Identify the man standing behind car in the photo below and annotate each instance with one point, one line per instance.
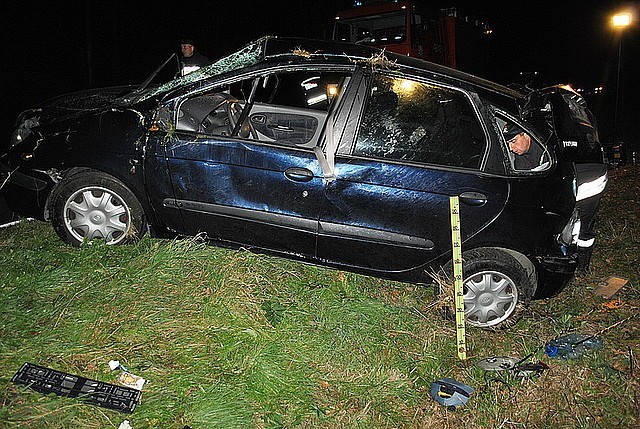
(190, 59)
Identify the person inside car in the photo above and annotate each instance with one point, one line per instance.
(529, 155)
(191, 60)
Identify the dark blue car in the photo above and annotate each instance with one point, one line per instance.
(335, 154)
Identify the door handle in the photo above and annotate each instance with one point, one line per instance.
(298, 174)
(280, 128)
(473, 198)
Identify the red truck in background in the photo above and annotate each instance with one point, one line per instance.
(413, 28)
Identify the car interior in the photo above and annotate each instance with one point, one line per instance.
(216, 114)
(287, 108)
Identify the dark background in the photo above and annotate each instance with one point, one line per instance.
(53, 47)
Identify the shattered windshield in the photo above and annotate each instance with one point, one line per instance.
(249, 55)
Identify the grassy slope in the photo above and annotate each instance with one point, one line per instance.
(229, 339)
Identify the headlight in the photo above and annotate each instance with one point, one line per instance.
(27, 120)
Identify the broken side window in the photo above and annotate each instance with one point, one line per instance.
(287, 108)
(291, 108)
(419, 122)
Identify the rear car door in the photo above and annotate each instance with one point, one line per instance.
(417, 145)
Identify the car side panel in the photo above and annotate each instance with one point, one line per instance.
(387, 217)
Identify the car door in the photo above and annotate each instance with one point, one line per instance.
(256, 184)
(417, 145)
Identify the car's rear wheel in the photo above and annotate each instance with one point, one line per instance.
(497, 288)
(94, 205)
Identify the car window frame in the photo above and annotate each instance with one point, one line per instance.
(222, 86)
(347, 149)
(504, 146)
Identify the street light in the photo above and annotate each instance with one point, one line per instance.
(619, 21)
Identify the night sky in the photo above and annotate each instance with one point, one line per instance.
(53, 47)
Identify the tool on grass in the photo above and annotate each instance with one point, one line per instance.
(450, 393)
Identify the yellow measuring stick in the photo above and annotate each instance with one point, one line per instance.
(456, 244)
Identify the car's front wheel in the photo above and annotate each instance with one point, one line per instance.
(94, 205)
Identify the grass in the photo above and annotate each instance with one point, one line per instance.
(231, 339)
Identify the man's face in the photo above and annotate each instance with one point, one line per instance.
(520, 144)
(187, 50)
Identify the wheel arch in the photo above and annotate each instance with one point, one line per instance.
(521, 258)
(524, 261)
(64, 175)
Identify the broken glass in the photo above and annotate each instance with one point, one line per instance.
(249, 55)
(414, 121)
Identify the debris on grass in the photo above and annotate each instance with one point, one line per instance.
(529, 370)
(125, 378)
(47, 380)
(328, 363)
(443, 291)
(613, 304)
(125, 425)
(497, 363)
(513, 366)
(133, 381)
(16, 222)
(610, 286)
(572, 346)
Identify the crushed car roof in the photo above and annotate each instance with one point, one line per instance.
(298, 50)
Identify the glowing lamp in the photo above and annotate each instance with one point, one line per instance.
(621, 20)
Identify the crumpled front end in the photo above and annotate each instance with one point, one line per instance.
(25, 193)
(74, 130)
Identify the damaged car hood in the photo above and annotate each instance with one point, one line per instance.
(73, 105)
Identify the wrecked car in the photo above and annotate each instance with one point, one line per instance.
(335, 154)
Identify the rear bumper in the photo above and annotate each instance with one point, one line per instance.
(554, 273)
(560, 265)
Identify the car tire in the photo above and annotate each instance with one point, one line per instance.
(497, 288)
(94, 205)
